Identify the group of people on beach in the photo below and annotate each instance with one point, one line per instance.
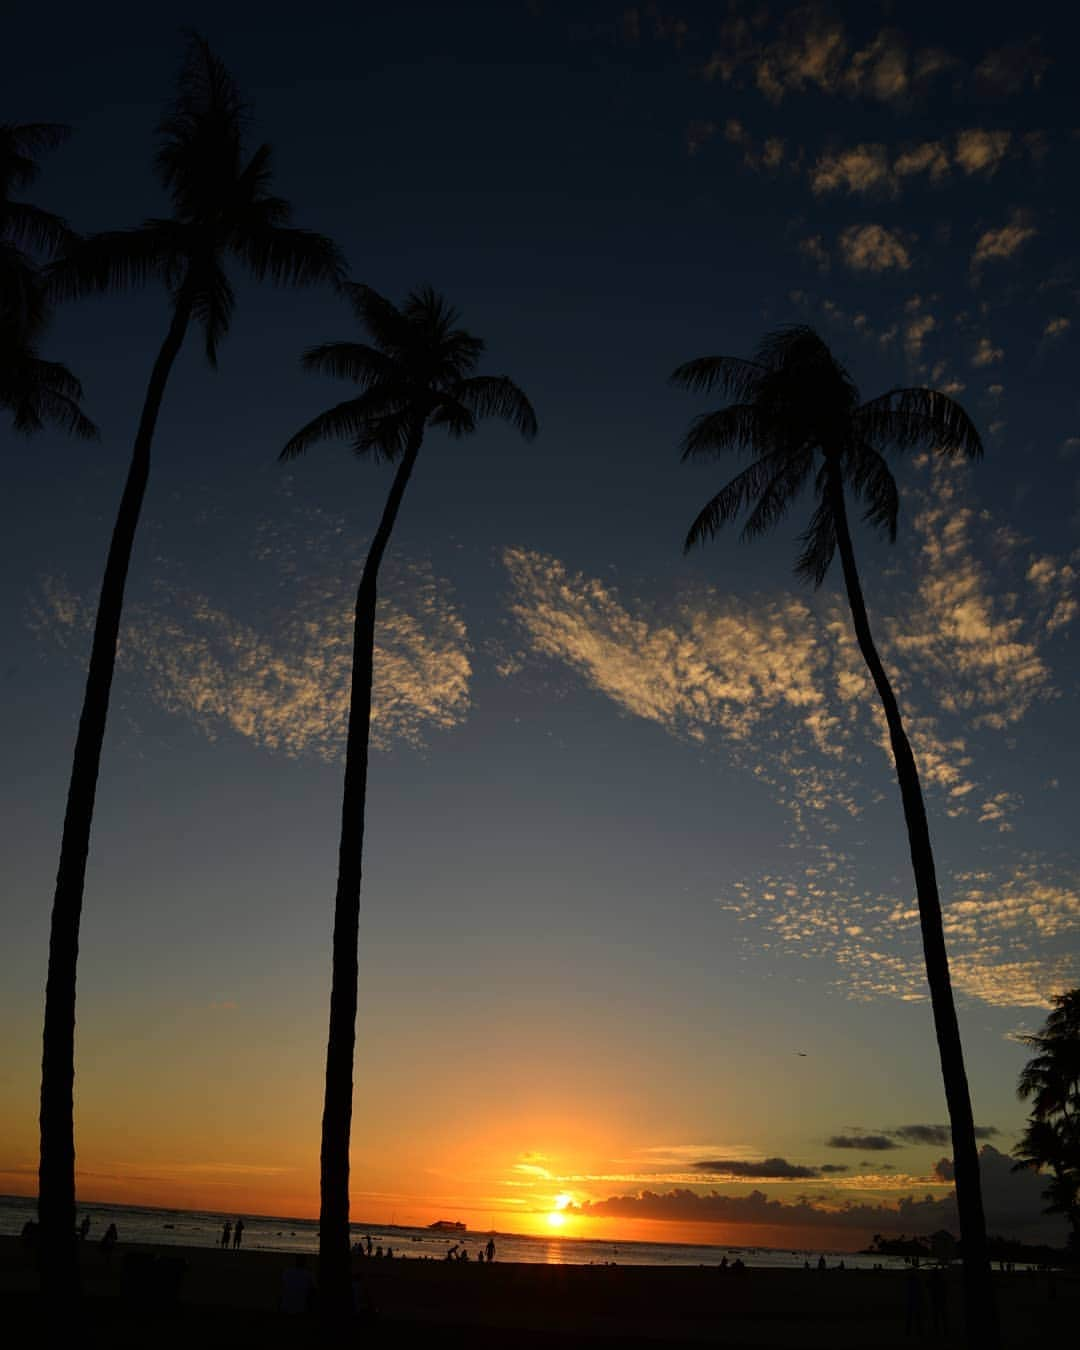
(236, 1231)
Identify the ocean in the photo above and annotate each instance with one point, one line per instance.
(195, 1228)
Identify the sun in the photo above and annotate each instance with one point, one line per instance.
(557, 1219)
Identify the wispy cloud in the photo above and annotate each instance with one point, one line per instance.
(873, 248)
(996, 245)
(282, 680)
(778, 684)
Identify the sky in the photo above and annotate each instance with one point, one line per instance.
(639, 955)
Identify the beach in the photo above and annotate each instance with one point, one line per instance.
(231, 1298)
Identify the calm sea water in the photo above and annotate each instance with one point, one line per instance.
(190, 1228)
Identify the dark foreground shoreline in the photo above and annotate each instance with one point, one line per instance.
(230, 1299)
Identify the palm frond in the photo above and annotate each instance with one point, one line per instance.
(22, 223)
(118, 259)
(819, 545)
(289, 257)
(203, 125)
(730, 502)
(739, 426)
(904, 419)
(212, 305)
(497, 396)
(341, 422)
(20, 145)
(38, 392)
(736, 377)
(874, 485)
(454, 418)
(779, 494)
(357, 361)
(386, 324)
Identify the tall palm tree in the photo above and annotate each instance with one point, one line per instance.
(222, 208)
(33, 390)
(797, 411)
(415, 373)
(1051, 1082)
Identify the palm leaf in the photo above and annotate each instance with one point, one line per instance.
(737, 378)
(341, 422)
(20, 145)
(388, 327)
(212, 305)
(776, 498)
(289, 257)
(118, 259)
(819, 545)
(357, 361)
(873, 483)
(739, 426)
(907, 418)
(32, 227)
(497, 396)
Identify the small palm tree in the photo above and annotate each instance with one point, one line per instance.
(797, 411)
(222, 208)
(1051, 1082)
(33, 390)
(416, 373)
(25, 229)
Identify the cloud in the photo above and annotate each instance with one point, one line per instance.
(873, 248)
(996, 245)
(1008, 69)
(1057, 326)
(282, 682)
(931, 158)
(778, 1169)
(1013, 1203)
(776, 682)
(809, 53)
(916, 330)
(865, 1143)
(698, 133)
(861, 168)
(833, 1169)
(814, 249)
(939, 1135)
(880, 70)
(986, 354)
(981, 151)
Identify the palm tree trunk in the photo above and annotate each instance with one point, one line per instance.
(56, 1174)
(335, 1284)
(980, 1304)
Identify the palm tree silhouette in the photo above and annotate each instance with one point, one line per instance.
(416, 373)
(222, 207)
(1051, 1082)
(798, 412)
(33, 390)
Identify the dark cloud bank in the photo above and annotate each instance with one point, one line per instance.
(1013, 1203)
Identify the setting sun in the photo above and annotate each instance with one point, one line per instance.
(556, 1219)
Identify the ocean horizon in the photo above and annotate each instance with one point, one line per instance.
(267, 1232)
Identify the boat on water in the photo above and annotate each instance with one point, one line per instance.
(446, 1226)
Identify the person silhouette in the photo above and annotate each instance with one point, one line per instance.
(238, 1233)
(490, 1249)
(109, 1240)
(84, 1227)
(226, 1233)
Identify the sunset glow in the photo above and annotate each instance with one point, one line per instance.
(640, 953)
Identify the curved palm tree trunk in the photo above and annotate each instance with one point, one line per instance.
(980, 1304)
(56, 1173)
(335, 1284)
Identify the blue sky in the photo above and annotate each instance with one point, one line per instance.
(633, 838)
